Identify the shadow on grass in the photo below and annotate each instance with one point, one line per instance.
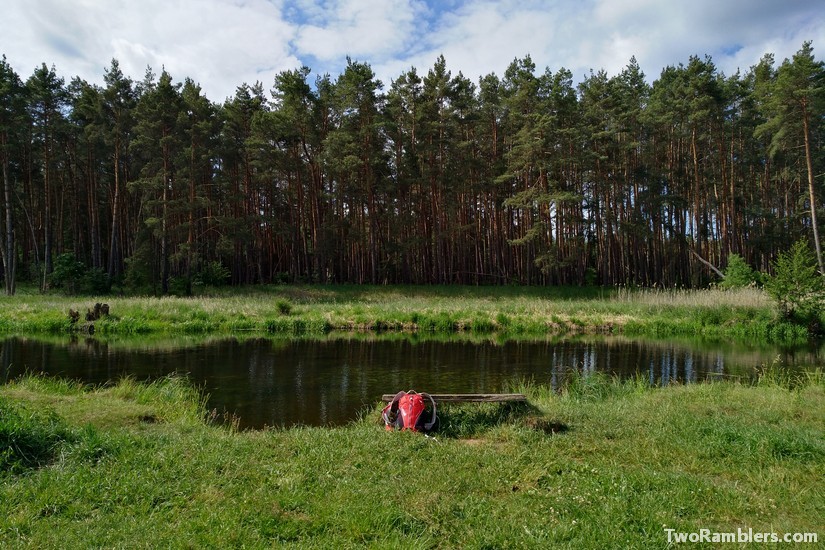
(31, 438)
(467, 420)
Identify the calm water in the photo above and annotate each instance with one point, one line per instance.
(326, 382)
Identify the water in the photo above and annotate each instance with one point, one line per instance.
(282, 382)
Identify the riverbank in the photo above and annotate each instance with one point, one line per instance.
(604, 464)
(745, 314)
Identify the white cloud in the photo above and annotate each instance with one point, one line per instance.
(483, 37)
(366, 29)
(735, 33)
(219, 43)
(223, 43)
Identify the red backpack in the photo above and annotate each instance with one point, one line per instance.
(408, 411)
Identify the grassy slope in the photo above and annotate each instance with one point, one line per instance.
(745, 313)
(606, 464)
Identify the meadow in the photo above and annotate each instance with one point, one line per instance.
(746, 314)
(603, 464)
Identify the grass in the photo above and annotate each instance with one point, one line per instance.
(604, 464)
(744, 314)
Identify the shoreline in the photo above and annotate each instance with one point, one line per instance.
(744, 314)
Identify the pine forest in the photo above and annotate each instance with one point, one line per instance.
(433, 178)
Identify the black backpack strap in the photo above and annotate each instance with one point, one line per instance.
(428, 426)
(390, 412)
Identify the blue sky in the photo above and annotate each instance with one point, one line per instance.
(223, 43)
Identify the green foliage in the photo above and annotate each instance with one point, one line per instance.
(284, 307)
(140, 275)
(429, 179)
(482, 325)
(73, 277)
(95, 282)
(742, 314)
(503, 320)
(180, 286)
(738, 274)
(591, 277)
(796, 285)
(598, 386)
(213, 274)
(440, 322)
(67, 273)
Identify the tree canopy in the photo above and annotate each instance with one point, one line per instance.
(521, 178)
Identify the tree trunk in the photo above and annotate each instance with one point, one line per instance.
(8, 255)
(47, 221)
(115, 216)
(164, 238)
(809, 163)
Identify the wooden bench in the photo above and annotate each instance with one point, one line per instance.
(469, 397)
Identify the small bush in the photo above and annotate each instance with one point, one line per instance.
(738, 274)
(95, 281)
(180, 286)
(445, 323)
(67, 273)
(796, 285)
(198, 326)
(590, 387)
(126, 325)
(213, 274)
(284, 307)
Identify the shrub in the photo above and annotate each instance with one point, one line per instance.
(71, 275)
(180, 286)
(284, 307)
(213, 274)
(796, 285)
(95, 281)
(738, 274)
(591, 277)
(67, 273)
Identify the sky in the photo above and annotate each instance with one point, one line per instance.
(222, 44)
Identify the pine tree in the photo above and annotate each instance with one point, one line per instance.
(794, 104)
(158, 139)
(118, 102)
(12, 120)
(47, 98)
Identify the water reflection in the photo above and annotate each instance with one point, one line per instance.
(274, 382)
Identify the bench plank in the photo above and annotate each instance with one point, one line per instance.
(469, 397)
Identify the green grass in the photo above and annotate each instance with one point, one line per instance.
(604, 464)
(744, 314)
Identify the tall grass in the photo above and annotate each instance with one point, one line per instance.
(739, 313)
(748, 297)
(34, 435)
(28, 438)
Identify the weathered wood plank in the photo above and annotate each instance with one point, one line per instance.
(469, 397)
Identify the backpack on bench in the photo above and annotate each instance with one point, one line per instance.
(409, 411)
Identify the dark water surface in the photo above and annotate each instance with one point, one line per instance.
(282, 382)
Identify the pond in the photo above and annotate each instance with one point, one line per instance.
(330, 381)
